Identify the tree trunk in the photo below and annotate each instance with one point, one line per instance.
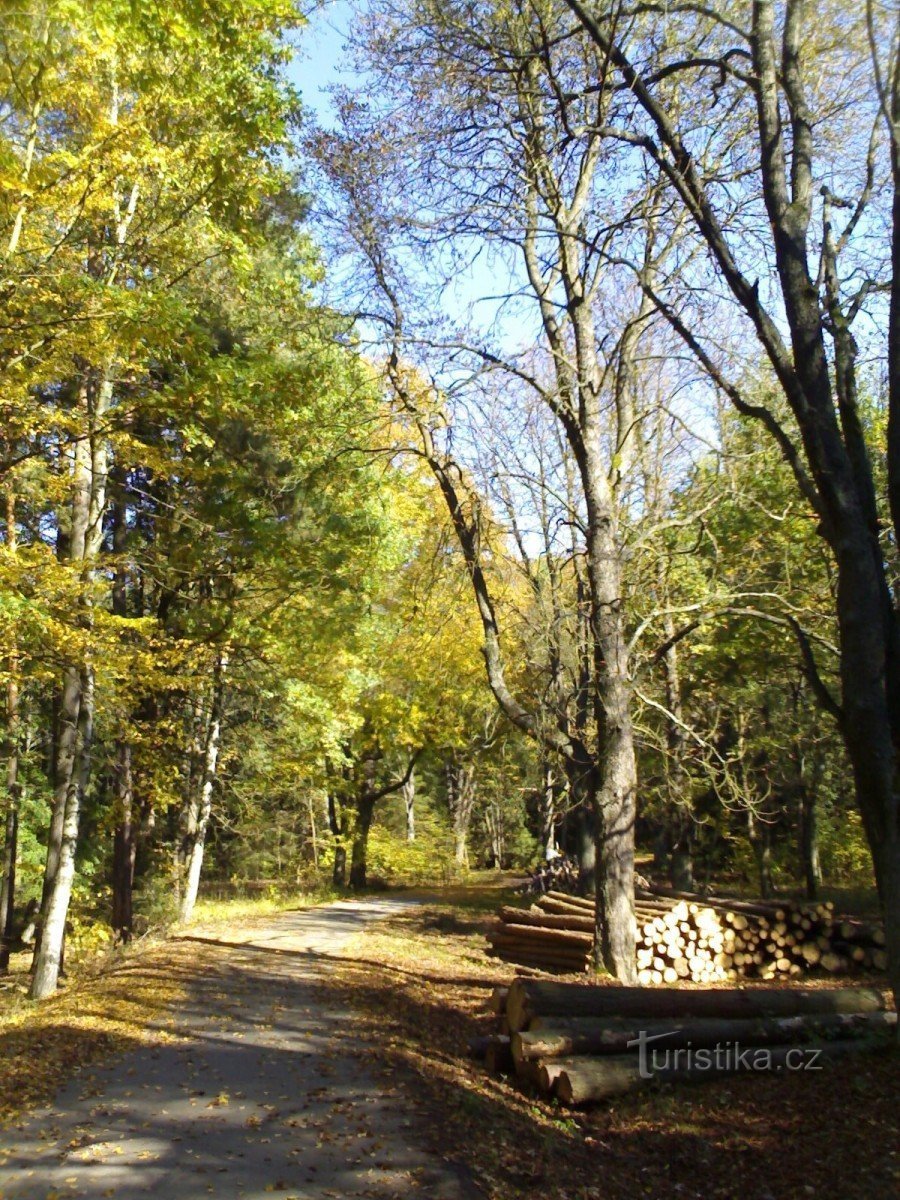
(588, 1080)
(761, 843)
(125, 835)
(65, 752)
(583, 823)
(337, 823)
(49, 953)
(13, 787)
(616, 786)
(529, 998)
(809, 843)
(124, 848)
(89, 495)
(679, 817)
(547, 809)
(408, 792)
(8, 888)
(365, 810)
(200, 807)
(461, 801)
(559, 1038)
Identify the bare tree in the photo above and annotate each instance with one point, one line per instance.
(520, 167)
(783, 198)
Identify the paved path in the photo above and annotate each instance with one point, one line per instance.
(264, 1099)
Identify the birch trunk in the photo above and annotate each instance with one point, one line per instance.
(200, 808)
(89, 491)
(13, 787)
(408, 792)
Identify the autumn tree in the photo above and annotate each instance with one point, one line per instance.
(785, 229)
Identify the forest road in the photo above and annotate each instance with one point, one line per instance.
(263, 1096)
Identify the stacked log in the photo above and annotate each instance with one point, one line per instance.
(766, 939)
(705, 940)
(558, 874)
(581, 1044)
(550, 935)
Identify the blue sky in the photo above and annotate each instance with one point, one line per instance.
(321, 56)
(321, 62)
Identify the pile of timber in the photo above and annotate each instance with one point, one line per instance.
(729, 939)
(688, 937)
(582, 1044)
(555, 934)
(559, 874)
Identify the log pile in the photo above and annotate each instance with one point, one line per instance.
(555, 934)
(758, 939)
(582, 1044)
(559, 874)
(697, 939)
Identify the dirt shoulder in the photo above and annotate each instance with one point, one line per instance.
(420, 982)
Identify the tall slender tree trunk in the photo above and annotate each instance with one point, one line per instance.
(89, 492)
(547, 808)
(616, 767)
(808, 825)
(408, 791)
(200, 804)
(761, 844)
(493, 819)
(582, 818)
(461, 801)
(125, 834)
(124, 847)
(679, 817)
(13, 787)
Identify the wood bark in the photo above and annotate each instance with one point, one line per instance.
(337, 823)
(366, 796)
(11, 749)
(124, 846)
(601, 1036)
(577, 1081)
(76, 711)
(125, 831)
(199, 808)
(528, 999)
(460, 777)
(408, 792)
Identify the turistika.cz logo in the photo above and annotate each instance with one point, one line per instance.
(723, 1058)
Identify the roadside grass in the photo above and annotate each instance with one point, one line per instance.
(420, 982)
(217, 913)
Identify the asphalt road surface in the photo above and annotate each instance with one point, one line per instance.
(263, 1096)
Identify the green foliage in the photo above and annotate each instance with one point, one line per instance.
(846, 858)
(428, 859)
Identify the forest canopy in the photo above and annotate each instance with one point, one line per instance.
(504, 468)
